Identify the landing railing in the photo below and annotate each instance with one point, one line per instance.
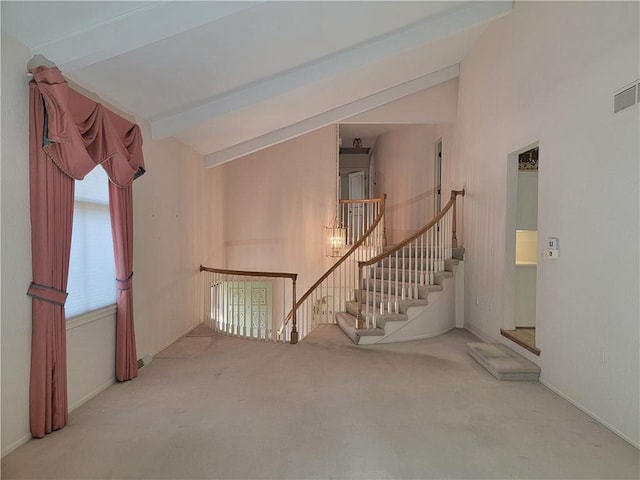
(395, 275)
(357, 216)
(338, 285)
(248, 304)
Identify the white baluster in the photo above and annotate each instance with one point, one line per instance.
(365, 299)
(375, 289)
(415, 282)
(409, 275)
(403, 279)
(441, 245)
(431, 254)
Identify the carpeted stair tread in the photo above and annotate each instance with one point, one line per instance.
(403, 305)
(385, 287)
(385, 290)
(348, 324)
(407, 263)
(502, 362)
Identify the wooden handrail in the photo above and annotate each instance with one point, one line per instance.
(404, 243)
(339, 262)
(364, 200)
(380, 200)
(292, 276)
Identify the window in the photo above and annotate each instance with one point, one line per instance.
(91, 268)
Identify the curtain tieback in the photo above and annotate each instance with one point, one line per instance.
(47, 294)
(124, 284)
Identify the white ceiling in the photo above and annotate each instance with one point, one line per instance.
(229, 78)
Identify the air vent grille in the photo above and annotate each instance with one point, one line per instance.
(626, 98)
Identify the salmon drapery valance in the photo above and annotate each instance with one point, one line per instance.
(80, 133)
(69, 135)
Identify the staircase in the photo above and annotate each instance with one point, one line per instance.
(391, 294)
(417, 311)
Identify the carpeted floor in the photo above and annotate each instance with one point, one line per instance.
(325, 408)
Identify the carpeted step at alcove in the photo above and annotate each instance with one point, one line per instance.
(502, 362)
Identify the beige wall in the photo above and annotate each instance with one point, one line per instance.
(168, 243)
(213, 248)
(167, 252)
(267, 210)
(405, 172)
(276, 204)
(520, 85)
(15, 306)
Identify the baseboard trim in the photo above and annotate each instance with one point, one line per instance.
(486, 338)
(21, 441)
(18, 443)
(480, 334)
(91, 394)
(171, 342)
(588, 412)
(417, 337)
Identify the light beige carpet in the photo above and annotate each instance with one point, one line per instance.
(201, 331)
(325, 409)
(186, 347)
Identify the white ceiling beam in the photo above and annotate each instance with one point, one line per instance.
(428, 30)
(134, 29)
(332, 116)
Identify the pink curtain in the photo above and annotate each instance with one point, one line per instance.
(121, 206)
(51, 219)
(69, 135)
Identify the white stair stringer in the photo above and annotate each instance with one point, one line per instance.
(434, 318)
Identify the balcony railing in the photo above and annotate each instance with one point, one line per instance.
(357, 216)
(248, 304)
(401, 272)
(338, 285)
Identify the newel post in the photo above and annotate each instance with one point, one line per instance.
(384, 220)
(294, 327)
(454, 195)
(360, 320)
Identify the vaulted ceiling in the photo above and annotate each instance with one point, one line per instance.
(230, 78)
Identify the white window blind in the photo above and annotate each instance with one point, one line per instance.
(91, 268)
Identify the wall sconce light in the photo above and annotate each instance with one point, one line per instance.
(336, 239)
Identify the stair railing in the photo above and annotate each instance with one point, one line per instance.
(423, 255)
(358, 215)
(243, 304)
(337, 286)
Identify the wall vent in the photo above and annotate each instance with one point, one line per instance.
(626, 97)
(144, 361)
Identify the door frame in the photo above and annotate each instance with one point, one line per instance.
(509, 299)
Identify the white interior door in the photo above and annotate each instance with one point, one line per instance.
(356, 186)
(355, 221)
